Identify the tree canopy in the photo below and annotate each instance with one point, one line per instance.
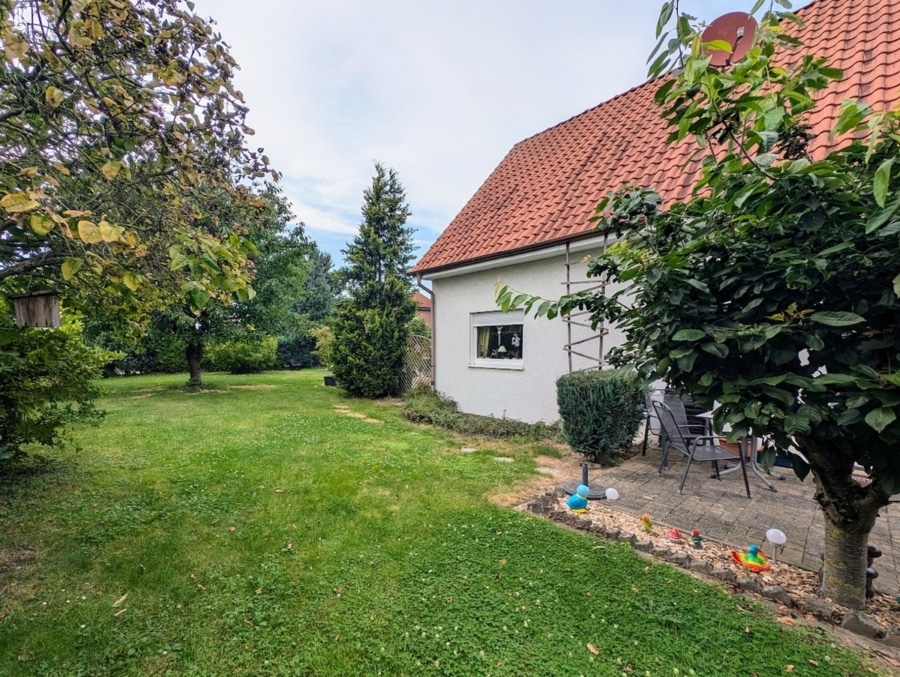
(772, 292)
(124, 150)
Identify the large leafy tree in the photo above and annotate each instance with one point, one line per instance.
(773, 291)
(123, 141)
(279, 262)
(371, 326)
(320, 288)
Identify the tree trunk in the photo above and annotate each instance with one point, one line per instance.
(194, 354)
(844, 573)
(850, 510)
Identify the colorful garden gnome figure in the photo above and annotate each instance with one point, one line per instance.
(753, 559)
(646, 523)
(578, 501)
(675, 536)
(697, 539)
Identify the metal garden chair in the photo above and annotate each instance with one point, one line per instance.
(683, 438)
(690, 426)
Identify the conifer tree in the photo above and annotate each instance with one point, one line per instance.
(371, 324)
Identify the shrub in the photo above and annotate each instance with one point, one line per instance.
(47, 383)
(418, 327)
(422, 405)
(298, 351)
(601, 411)
(369, 348)
(249, 356)
(324, 338)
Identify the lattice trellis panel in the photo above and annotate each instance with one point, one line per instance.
(417, 369)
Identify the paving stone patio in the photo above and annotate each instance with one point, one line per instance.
(721, 510)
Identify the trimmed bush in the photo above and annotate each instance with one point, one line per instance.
(601, 412)
(243, 357)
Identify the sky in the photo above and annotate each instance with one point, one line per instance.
(440, 92)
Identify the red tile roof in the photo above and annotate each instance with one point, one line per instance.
(547, 187)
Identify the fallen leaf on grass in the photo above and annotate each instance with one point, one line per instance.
(278, 490)
(788, 668)
(246, 622)
(813, 663)
(503, 561)
(594, 650)
(120, 600)
(259, 591)
(785, 620)
(120, 612)
(231, 528)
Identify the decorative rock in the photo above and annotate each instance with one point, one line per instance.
(700, 566)
(613, 533)
(861, 625)
(779, 594)
(643, 545)
(679, 559)
(548, 471)
(818, 607)
(660, 551)
(893, 637)
(724, 574)
(749, 584)
(626, 537)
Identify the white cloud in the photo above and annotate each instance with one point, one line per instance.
(438, 91)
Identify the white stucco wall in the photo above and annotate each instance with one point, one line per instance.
(527, 393)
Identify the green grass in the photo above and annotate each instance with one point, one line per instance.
(258, 530)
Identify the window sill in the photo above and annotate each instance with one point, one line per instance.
(516, 365)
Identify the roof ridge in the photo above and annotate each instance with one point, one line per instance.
(546, 188)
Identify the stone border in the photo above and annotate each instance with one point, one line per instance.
(822, 609)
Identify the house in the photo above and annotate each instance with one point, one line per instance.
(423, 308)
(528, 224)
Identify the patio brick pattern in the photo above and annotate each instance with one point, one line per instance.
(723, 513)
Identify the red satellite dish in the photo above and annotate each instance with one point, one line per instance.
(737, 29)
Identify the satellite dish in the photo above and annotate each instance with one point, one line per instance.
(737, 29)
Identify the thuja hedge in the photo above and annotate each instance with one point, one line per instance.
(601, 412)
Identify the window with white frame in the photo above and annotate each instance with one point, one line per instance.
(497, 339)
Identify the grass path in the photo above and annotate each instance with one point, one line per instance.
(271, 526)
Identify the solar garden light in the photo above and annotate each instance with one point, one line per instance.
(777, 538)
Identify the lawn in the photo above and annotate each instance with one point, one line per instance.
(272, 526)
